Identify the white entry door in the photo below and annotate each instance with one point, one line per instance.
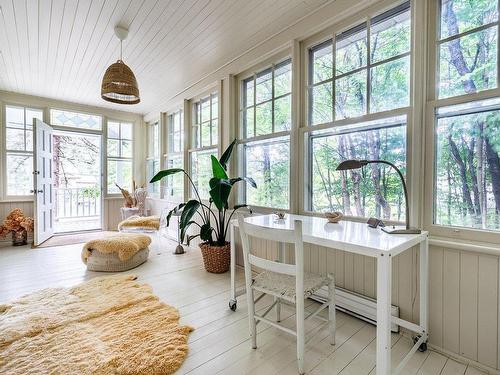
(43, 181)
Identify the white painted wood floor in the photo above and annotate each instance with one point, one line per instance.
(220, 344)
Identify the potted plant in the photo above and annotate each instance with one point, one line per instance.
(214, 220)
(17, 224)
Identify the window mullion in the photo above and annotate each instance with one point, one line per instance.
(272, 99)
(254, 104)
(368, 66)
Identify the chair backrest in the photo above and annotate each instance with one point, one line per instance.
(271, 234)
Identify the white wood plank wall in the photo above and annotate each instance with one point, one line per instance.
(463, 301)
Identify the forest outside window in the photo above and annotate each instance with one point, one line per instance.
(375, 190)
(119, 156)
(363, 70)
(466, 136)
(153, 160)
(467, 47)
(467, 181)
(174, 188)
(19, 149)
(265, 122)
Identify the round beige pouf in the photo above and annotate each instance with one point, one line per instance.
(109, 262)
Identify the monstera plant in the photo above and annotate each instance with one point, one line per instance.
(210, 218)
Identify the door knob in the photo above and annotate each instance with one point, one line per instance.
(39, 191)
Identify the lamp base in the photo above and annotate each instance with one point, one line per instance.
(179, 250)
(394, 229)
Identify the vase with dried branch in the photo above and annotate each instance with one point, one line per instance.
(17, 224)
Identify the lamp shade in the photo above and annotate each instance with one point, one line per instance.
(351, 164)
(119, 85)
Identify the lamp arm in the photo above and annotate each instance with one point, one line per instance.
(403, 183)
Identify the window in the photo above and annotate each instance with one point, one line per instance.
(175, 156)
(206, 120)
(75, 120)
(363, 70)
(467, 47)
(375, 190)
(467, 165)
(466, 185)
(205, 135)
(153, 160)
(119, 156)
(265, 121)
(19, 149)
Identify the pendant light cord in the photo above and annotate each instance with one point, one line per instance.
(121, 50)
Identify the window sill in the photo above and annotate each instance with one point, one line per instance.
(466, 245)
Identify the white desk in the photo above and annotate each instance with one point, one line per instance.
(358, 238)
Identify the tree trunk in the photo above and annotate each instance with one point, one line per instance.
(494, 169)
(374, 151)
(356, 180)
(346, 198)
(463, 175)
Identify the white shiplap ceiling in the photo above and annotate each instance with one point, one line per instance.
(60, 48)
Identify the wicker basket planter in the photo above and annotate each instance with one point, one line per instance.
(216, 259)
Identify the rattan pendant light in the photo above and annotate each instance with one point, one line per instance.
(119, 84)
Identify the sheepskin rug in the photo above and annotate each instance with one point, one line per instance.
(140, 222)
(126, 245)
(108, 325)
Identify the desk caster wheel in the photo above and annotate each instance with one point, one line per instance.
(232, 305)
(423, 346)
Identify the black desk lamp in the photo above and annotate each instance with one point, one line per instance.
(391, 229)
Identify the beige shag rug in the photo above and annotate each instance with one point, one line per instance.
(140, 222)
(126, 245)
(108, 325)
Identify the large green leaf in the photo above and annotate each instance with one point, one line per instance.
(217, 169)
(249, 180)
(219, 192)
(189, 210)
(173, 211)
(165, 173)
(206, 232)
(185, 228)
(224, 159)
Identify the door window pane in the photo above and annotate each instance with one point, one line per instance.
(75, 120)
(119, 172)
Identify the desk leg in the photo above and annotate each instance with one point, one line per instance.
(232, 301)
(424, 285)
(384, 289)
(281, 259)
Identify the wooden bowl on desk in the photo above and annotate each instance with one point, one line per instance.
(334, 217)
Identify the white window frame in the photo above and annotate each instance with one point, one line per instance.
(5, 152)
(194, 127)
(410, 111)
(432, 105)
(151, 156)
(108, 158)
(169, 154)
(243, 141)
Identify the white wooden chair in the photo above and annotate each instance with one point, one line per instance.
(286, 282)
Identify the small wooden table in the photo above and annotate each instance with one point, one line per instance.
(358, 238)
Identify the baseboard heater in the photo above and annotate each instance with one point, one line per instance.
(357, 305)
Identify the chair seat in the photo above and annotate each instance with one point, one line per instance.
(283, 286)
